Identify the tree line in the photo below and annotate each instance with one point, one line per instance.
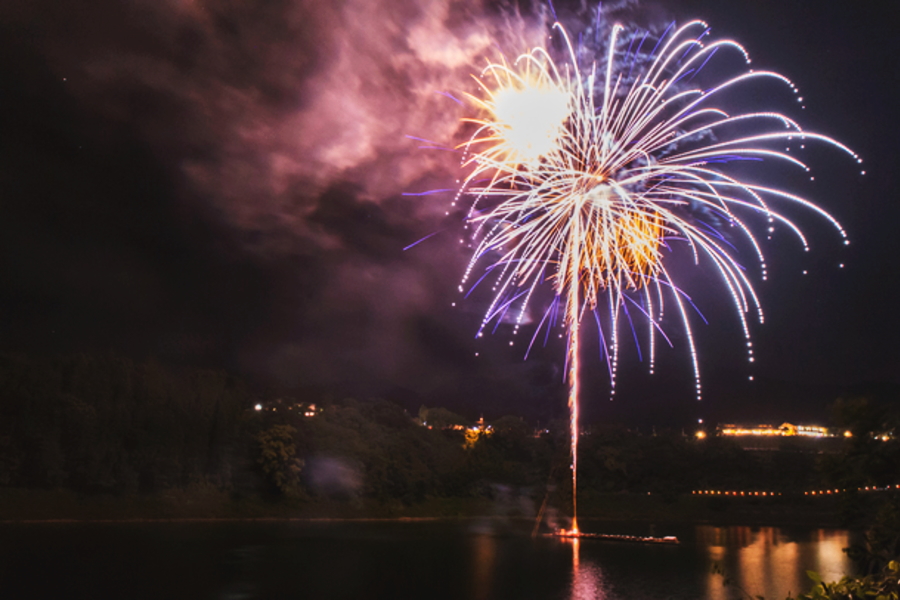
(109, 424)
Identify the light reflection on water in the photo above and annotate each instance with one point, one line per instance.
(587, 578)
(443, 560)
(767, 561)
(759, 561)
(484, 552)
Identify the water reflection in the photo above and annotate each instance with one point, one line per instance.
(766, 560)
(715, 590)
(240, 568)
(405, 561)
(484, 554)
(830, 551)
(587, 578)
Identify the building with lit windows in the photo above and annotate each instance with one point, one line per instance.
(783, 430)
(812, 438)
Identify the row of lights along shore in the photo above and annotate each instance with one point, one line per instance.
(868, 488)
(812, 493)
(720, 493)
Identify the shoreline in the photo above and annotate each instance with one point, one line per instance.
(208, 505)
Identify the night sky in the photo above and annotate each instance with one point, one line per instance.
(220, 184)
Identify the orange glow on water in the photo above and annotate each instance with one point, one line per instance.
(762, 559)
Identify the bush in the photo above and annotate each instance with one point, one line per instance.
(880, 586)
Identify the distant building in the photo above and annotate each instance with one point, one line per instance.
(783, 430)
(809, 438)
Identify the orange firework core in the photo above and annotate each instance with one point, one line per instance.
(638, 237)
(620, 250)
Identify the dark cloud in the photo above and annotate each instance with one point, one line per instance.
(260, 108)
(223, 184)
(279, 134)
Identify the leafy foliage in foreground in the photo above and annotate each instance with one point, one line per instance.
(880, 586)
(883, 585)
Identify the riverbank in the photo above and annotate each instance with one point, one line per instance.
(209, 503)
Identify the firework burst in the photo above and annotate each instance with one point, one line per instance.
(586, 176)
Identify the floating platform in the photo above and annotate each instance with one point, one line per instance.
(609, 537)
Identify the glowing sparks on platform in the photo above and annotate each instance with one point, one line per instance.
(586, 176)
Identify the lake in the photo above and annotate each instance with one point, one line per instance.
(477, 559)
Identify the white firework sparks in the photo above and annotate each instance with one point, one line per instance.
(583, 174)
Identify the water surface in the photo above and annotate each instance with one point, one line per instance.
(472, 559)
